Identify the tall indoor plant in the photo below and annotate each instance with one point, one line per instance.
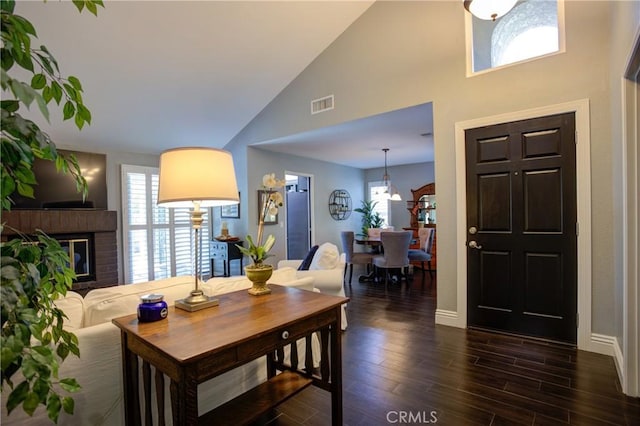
(259, 272)
(370, 217)
(33, 341)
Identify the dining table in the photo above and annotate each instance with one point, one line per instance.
(376, 244)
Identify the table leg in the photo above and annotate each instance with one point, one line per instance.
(336, 370)
(184, 402)
(130, 381)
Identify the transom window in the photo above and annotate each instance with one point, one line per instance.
(531, 29)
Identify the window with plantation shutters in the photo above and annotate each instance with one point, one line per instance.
(157, 241)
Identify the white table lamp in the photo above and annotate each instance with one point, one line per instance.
(196, 177)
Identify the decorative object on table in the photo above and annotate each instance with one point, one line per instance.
(228, 238)
(391, 192)
(231, 211)
(152, 308)
(196, 177)
(269, 199)
(340, 204)
(370, 217)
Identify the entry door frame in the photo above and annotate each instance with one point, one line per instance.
(583, 178)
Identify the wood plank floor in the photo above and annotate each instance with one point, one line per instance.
(397, 362)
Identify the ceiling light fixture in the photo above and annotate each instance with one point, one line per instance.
(390, 190)
(489, 10)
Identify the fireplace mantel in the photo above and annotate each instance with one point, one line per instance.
(102, 224)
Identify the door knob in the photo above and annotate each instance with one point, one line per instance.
(474, 245)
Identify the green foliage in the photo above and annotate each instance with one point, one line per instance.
(34, 273)
(257, 253)
(370, 217)
(33, 340)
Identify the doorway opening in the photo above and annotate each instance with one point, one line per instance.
(298, 211)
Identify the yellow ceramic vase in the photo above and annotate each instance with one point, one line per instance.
(259, 275)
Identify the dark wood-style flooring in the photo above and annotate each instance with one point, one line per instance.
(401, 368)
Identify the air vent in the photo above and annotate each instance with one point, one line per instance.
(322, 104)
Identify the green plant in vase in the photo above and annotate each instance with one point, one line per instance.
(259, 272)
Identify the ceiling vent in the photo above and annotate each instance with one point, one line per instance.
(322, 104)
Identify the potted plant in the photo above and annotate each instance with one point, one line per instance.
(35, 270)
(370, 217)
(259, 272)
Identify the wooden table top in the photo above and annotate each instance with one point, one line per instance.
(191, 336)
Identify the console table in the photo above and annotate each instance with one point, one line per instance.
(182, 348)
(225, 251)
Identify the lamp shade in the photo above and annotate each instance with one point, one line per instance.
(205, 175)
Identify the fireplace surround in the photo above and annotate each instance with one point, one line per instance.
(89, 234)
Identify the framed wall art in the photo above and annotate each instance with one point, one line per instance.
(269, 219)
(231, 212)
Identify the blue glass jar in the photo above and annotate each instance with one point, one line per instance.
(152, 308)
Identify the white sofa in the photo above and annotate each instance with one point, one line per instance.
(327, 271)
(99, 368)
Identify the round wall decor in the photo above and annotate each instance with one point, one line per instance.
(340, 204)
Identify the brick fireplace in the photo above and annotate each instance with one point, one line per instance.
(97, 227)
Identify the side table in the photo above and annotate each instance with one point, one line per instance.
(225, 251)
(182, 348)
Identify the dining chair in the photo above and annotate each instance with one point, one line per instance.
(424, 253)
(395, 245)
(352, 257)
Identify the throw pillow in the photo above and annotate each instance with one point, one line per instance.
(326, 257)
(306, 262)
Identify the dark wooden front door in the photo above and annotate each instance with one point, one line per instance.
(521, 227)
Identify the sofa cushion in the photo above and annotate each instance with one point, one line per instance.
(73, 307)
(326, 257)
(306, 262)
(104, 304)
(222, 285)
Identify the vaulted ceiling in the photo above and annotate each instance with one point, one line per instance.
(162, 74)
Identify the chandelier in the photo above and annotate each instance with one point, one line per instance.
(390, 191)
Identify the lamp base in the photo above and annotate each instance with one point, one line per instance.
(196, 301)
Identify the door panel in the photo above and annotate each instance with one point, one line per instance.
(521, 197)
(494, 198)
(297, 224)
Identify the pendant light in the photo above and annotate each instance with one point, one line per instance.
(489, 9)
(390, 190)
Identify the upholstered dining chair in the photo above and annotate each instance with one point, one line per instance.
(424, 253)
(351, 257)
(395, 245)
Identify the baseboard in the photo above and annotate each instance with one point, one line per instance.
(608, 345)
(450, 318)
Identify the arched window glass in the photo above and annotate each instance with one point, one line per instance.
(531, 29)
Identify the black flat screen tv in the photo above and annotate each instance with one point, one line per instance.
(58, 191)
